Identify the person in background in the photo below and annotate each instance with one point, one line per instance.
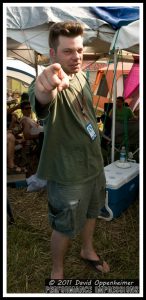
(12, 117)
(14, 139)
(9, 97)
(123, 112)
(24, 97)
(12, 168)
(71, 158)
(32, 130)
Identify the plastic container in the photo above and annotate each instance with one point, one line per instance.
(123, 154)
(122, 186)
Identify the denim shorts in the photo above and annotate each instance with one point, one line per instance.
(71, 205)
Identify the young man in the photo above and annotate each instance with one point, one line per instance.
(71, 157)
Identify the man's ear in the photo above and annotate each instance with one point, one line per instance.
(52, 53)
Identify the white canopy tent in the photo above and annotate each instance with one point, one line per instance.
(28, 31)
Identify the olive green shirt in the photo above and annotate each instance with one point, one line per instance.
(69, 155)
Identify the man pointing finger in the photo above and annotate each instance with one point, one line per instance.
(71, 159)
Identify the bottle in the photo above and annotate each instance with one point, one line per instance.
(123, 154)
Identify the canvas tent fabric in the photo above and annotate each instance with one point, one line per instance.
(132, 81)
(20, 75)
(103, 85)
(117, 16)
(129, 36)
(30, 27)
(19, 70)
(28, 30)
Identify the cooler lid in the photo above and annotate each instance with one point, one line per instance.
(116, 176)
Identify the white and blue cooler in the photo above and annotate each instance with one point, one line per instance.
(122, 187)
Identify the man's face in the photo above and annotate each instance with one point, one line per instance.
(119, 103)
(27, 111)
(69, 54)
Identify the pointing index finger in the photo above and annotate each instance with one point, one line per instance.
(55, 68)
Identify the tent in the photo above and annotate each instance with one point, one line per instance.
(19, 70)
(28, 30)
(103, 85)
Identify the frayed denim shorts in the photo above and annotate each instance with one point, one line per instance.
(71, 205)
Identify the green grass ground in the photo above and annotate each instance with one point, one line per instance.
(28, 245)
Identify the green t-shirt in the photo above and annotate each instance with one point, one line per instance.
(69, 155)
(124, 115)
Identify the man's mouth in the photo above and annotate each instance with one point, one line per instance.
(75, 66)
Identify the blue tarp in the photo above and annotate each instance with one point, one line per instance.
(117, 16)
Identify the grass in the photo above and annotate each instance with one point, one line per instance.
(28, 245)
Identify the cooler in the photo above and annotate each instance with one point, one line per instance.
(122, 186)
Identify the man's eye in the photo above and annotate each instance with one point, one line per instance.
(67, 51)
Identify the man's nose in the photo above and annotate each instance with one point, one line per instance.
(76, 55)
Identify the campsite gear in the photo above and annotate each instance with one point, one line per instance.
(122, 185)
(35, 184)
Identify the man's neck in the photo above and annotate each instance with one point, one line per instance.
(71, 76)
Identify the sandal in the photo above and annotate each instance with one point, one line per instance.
(95, 263)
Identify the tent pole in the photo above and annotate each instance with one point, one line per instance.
(114, 105)
(36, 63)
